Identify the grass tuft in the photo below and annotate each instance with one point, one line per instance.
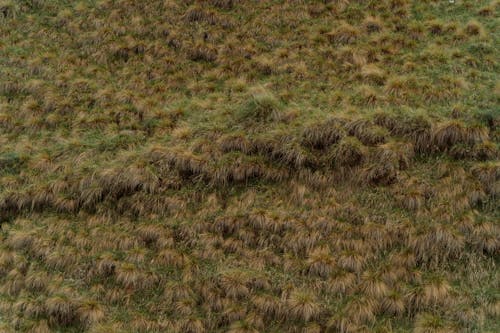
(261, 106)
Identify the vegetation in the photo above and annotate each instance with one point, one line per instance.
(249, 166)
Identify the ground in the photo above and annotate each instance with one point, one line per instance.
(249, 166)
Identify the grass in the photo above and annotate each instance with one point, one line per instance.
(233, 166)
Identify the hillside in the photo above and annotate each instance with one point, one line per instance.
(249, 166)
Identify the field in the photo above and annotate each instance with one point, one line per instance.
(249, 166)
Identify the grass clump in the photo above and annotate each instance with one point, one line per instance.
(344, 34)
(10, 162)
(349, 152)
(261, 106)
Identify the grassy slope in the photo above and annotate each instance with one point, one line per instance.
(249, 166)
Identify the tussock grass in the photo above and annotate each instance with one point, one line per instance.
(343, 34)
(323, 135)
(261, 106)
(236, 166)
(349, 153)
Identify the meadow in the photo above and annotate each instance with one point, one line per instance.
(249, 166)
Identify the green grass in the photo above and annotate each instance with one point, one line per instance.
(223, 165)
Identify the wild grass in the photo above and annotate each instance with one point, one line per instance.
(234, 166)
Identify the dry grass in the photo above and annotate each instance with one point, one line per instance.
(235, 166)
